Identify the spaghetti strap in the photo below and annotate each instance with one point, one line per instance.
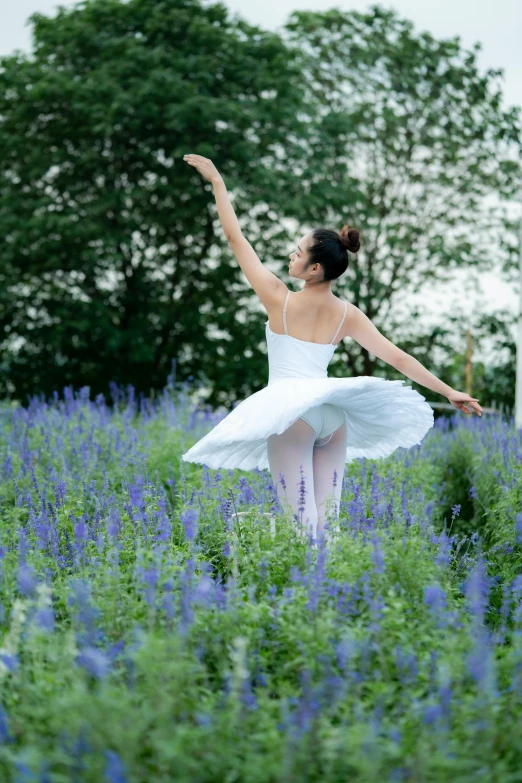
(284, 311)
(342, 321)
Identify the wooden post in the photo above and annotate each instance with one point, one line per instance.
(518, 386)
(469, 351)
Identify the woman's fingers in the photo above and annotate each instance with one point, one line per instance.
(463, 402)
(474, 408)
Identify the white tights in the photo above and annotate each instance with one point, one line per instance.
(295, 448)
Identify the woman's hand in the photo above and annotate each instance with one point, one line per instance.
(459, 400)
(205, 167)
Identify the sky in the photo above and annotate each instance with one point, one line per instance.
(497, 25)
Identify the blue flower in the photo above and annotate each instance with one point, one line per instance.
(5, 734)
(45, 618)
(26, 579)
(115, 771)
(94, 661)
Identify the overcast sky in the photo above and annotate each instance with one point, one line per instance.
(496, 24)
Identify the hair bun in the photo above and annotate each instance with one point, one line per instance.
(350, 239)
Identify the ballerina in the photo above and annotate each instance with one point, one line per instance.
(304, 426)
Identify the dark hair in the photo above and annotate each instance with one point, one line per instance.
(329, 249)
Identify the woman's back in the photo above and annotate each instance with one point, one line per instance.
(310, 319)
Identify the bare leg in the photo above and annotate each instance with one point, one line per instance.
(290, 461)
(328, 460)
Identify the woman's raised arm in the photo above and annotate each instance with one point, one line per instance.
(267, 286)
(226, 212)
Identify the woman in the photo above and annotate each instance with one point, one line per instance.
(303, 425)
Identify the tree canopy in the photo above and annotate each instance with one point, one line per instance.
(113, 261)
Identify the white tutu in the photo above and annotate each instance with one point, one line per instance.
(381, 415)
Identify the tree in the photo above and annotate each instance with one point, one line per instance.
(113, 262)
(413, 145)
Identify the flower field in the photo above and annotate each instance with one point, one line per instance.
(149, 634)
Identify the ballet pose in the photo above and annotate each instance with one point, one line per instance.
(304, 426)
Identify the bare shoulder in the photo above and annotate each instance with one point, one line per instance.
(360, 328)
(354, 319)
(277, 299)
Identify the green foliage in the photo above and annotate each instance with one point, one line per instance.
(312, 665)
(112, 261)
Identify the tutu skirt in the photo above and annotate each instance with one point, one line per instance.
(381, 416)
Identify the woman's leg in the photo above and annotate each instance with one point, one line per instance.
(328, 460)
(290, 461)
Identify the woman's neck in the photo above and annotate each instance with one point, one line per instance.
(322, 287)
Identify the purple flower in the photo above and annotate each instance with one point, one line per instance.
(136, 492)
(377, 554)
(25, 773)
(435, 597)
(516, 585)
(115, 650)
(26, 579)
(150, 578)
(481, 663)
(81, 530)
(189, 519)
(202, 719)
(432, 713)
(5, 734)
(395, 734)
(84, 612)
(11, 661)
(443, 555)
(204, 590)
(302, 492)
(477, 590)
(345, 651)
(115, 771)
(94, 661)
(45, 618)
(114, 523)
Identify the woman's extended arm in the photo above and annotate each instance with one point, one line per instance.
(360, 328)
(413, 369)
